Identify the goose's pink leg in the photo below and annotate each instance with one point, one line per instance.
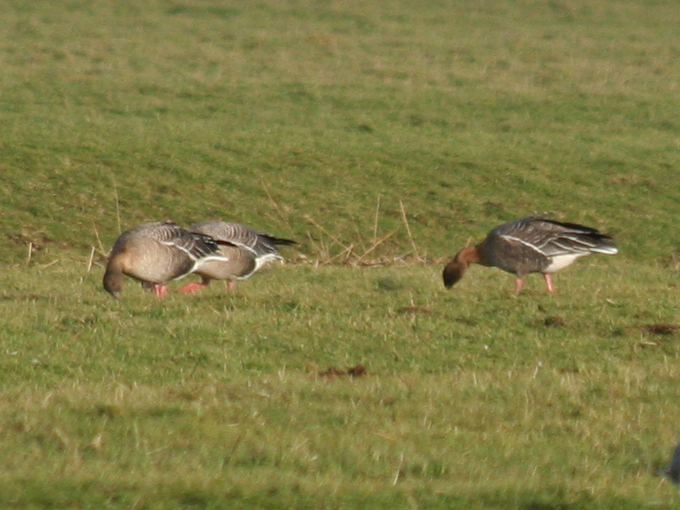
(231, 285)
(161, 290)
(549, 283)
(518, 285)
(194, 286)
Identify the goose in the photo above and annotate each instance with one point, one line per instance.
(530, 245)
(247, 250)
(155, 253)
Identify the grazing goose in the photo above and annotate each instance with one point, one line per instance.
(530, 245)
(246, 250)
(155, 253)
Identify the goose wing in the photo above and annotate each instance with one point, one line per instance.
(553, 238)
(257, 243)
(195, 245)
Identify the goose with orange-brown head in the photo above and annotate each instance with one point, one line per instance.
(530, 245)
(455, 270)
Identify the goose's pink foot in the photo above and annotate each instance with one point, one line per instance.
(549, 283)
(231, 285)
(193, 286)
(518, 285)
(161, 290)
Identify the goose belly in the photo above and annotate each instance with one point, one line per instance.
(237, 263)
(157, 266)
(559, 262)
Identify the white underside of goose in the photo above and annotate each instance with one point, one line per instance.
(607, 250)
(259, 262)
(558, 262)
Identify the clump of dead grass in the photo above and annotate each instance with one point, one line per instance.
(329, 249)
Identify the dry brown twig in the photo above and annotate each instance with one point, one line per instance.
(347, 252)
(276, 205)
(115, 195)
(350, 255)
(89, 264)
(319, 248)
(94, 250)
(375, 222)
(374, 247)
(408, 231)
(325, 253)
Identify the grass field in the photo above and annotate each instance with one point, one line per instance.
(383, 136)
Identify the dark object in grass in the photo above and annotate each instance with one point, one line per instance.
(554, 321)
(414, 309)
(109, 410)
(661, 329)
(355, 371)
(530, 245)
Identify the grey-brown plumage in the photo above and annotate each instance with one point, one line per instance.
(530, 245)
(156, 253)
(245, 251)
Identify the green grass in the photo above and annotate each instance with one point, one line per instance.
(217, 399)
(339, 125)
